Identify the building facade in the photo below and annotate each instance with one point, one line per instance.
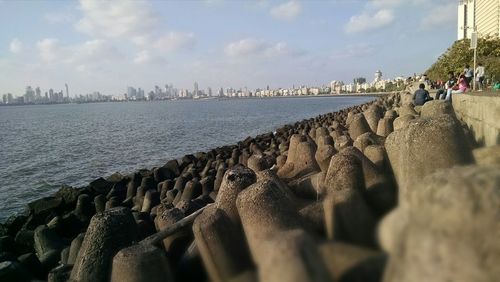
(484, 15)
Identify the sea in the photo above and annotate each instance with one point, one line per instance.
(45, 146)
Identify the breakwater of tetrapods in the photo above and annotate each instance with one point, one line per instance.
(384, 191)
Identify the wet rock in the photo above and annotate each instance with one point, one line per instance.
(69, 195)
(60, 274)
(45, 240)
(100, 186)
(12, 271)
(31, 263)
(75, 248)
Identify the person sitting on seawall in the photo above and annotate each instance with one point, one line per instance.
(421, 95)
(450, 83)
(461, 87)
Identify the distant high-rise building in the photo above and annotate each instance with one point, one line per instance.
(209, 91)
(131, 92)
(52, 97)
(67, 91)
(29, 96)
(195, 92)
(481, 15)
(38, 93)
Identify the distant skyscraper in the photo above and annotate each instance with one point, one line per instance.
(131, 92)
(195, 92)
(67, 91)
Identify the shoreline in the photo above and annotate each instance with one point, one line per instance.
(296, 174)
(376, 94)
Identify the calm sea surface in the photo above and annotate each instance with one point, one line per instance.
(42, 147)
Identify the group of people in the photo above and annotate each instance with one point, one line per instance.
(453, 85)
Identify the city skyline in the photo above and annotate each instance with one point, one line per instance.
(105, 46)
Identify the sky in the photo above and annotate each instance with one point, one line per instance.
(108, 45)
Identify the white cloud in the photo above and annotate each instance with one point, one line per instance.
(116, 19)
(254, 47)
(174, 41)
(48, 49)
(143, 57)
(92, 51)
(16, 46)
(287, 11)
(366, 22)
(441, 16)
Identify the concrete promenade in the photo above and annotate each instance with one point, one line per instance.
(385, 191)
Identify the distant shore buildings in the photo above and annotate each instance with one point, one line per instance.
(169, 92)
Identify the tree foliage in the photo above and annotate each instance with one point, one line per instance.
(460, 54)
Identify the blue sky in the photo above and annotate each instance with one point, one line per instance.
(108, 45)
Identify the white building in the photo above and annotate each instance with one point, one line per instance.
(484, 15)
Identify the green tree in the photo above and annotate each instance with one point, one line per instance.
(460, 54)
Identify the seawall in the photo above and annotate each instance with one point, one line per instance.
(481, 112)
(384, 191)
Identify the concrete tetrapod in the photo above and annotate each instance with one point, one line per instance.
(141, 262)
(108, 232)
(292, 256)
(300, 160)
(425, 146)
(358, 126)
(427, 239)
(218, 232)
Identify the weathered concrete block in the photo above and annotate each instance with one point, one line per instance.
(347, 262)
(235, 180)
(221, 244)
(75, 248)
(358, 126)
(385, 127)
(300, 160)
(487, 155)
(435, 108)
(291, 256)
(368, 138)
(348, 218)
(372, 117)
(140, 262)
(107, 233)
(427, 239)
(402, 121)
(423, 147)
